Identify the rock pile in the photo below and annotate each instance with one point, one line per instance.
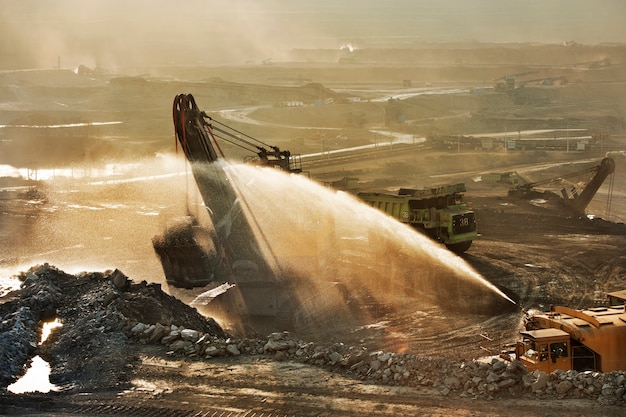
(90, 350)
(17, 344)
(20, 325)
(189, 342)
(475, 379)
(606, 388)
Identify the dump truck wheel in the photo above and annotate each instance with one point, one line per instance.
(460, 248)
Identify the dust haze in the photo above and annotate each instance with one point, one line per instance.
(115, 33)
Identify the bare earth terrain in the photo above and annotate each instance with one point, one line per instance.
(532, 250)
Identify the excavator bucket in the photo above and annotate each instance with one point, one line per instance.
(187, 254)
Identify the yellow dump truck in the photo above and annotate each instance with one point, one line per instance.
(438, 212)
(585, 339)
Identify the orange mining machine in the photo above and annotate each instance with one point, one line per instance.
(584, 339)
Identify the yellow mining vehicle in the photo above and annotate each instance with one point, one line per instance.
(438, 212)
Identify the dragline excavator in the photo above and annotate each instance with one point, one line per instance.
(193, 255)
(576, 198)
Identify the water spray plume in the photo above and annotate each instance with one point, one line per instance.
(327, 235)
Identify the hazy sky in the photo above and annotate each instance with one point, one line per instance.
(134, 32)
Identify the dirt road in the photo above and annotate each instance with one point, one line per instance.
(247, 386)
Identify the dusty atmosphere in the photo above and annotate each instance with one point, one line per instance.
(90, 173)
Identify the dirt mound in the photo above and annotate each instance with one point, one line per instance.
(97, 312)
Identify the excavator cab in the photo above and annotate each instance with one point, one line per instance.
(276, 158)
(544, 350)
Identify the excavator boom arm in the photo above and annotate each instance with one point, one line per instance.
(580, 202)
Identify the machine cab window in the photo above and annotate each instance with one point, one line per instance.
(617, 299)
(544, 350)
